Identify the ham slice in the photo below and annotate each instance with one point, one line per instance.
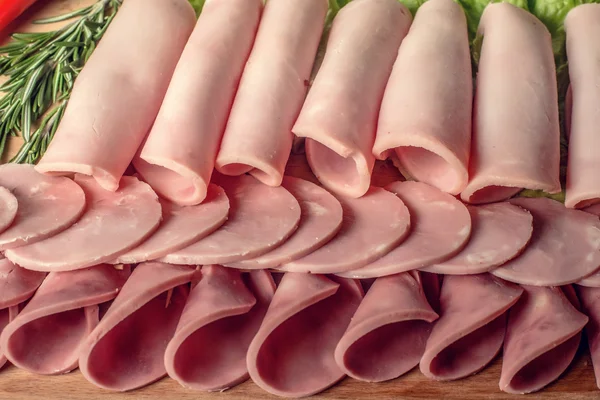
(425, 118)
(470, 330)
(178, 157)
(113, 223)
(117, 95)
(126, 349)
(542, 337)
(258, 137)
(441, 226)
(387, 335)
(8, 208)
(46, 336)
(220, 319)
(181, 226)
(373, 225)
(320, 220)
(590, 305)
(339, 116)
(594, 279)
(564, 246)
(292, 354)
(46, 205)
(516, 134)
(499, 232)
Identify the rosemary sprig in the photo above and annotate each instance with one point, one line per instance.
(41, 68)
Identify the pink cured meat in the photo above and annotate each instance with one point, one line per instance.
(373, 225)
(320, 220)
(470, 330)
(8, 208)
(594, 279)
(126, 349)
(46, 205)
(260, 219)
(339, 117)
(113, 223)
(425, 117)
(440, 228)
(292, 354)
(143, 44)
(220, 319)
(181, 227)
(564, 246)
(590, 304)
(387, 335)
(274, 83)
(499, 232)
(513, 98)
(542, 337)
(46, 336)
(178, 157)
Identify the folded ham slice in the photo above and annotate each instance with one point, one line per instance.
(542, 337)
(258, 138)
(590, 305)
(220, 319)
(126, 349)
(470, 330)
(117, 95)
(292, 354)
(592, 280)
(8, 208)
(516, 134)
(425, 118)
(113, 223)
(178, 157)
(45, 337)
(339, 117)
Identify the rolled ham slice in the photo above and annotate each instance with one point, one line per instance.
(440, 228)
(178, 157)
(320, 220)
(564, 246)
(470, 330)
(516, 134)
(45, 337)
(542, 337)
(292, 354)
(126, 349)
(339, 116)
(117, 95)
(260, 219)
(590, 305)
(113, 223)
(220, 319)
(258, 138)
(373, 225)
(499, 232)
(425, 118)
(387, 335)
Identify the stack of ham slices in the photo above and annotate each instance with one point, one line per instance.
(168, 231)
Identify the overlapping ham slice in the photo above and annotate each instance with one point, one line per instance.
(339, 116)
(113, 223)
(46, 336)
(425, 117)
(592, 280)
(292, 354)
(178, 157)
(470, 330)
(117, 95)
(387, 335)
(440, 227)
(372, 226)
(260, 219)
(126, 349)
(320, 220)
(516, 135)
(8, 208)
(542, 337)
(220, 319)
(590, 305)
(258, 138)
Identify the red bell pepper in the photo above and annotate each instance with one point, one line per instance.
(11, 9)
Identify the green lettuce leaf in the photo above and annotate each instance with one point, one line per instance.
(197, 4)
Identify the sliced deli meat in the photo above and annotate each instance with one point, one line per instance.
(339, 117)
(8, 208)
(117, 95)
(590, 305)
(178, 156)
(594, 279)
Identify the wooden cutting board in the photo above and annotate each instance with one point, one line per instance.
(577, 383)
